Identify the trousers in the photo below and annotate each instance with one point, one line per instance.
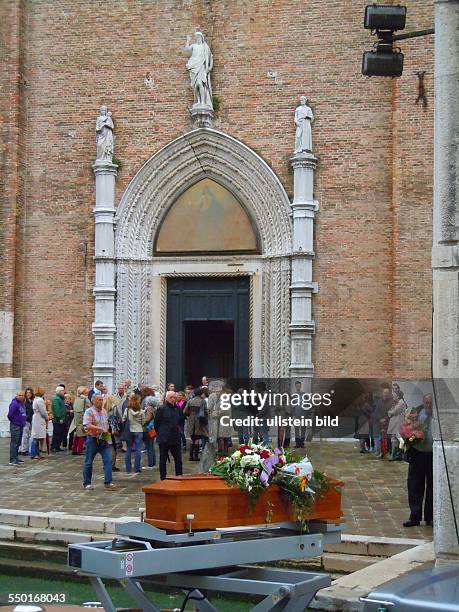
(420, 485)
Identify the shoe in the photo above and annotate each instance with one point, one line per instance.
(429, 523)
(148, 467)
(411, 524)
(88, 487)
(116, 469)
(111, 487)
(19, 461)
(15, 463)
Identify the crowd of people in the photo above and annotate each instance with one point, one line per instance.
(379, 427)
(134, 420)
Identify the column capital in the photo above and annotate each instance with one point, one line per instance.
(104, 167)
(303, 160)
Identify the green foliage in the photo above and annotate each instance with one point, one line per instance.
(216, 103)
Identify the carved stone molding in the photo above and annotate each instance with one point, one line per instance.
(197, 154)
(146, 201)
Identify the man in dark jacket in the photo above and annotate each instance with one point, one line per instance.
(168, 422)
(17, 419)
(59, 413)
(420, 470)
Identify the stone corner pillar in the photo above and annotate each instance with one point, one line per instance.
(302, 287)
(8, 389)
(103, 327)
(445, 263)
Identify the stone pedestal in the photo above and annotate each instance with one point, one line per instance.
(302, 286)
(103, 327)
(202, 116)
(445, 262)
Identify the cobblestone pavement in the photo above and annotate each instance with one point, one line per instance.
(375, 501)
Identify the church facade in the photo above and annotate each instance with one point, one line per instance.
(206, 231)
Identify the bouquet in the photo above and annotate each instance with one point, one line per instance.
(412, 433)
(254, 467)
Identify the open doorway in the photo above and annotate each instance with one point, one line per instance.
(209, 350)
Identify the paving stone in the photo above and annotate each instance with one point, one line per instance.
(54, 486)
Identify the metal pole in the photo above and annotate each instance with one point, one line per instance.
(413, 34)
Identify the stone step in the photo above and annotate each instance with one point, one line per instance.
(31, 551)
(372, 545)
(345, 564)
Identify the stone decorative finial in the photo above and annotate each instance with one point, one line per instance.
(104, 135)
(199, 67)
(303, 120)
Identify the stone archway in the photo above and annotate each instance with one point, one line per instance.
(140, 292)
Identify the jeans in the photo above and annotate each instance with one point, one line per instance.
(15, 441)
(138, 438)
(24, 447)
(150, 446)
(92, 448)
(34, 450)
(176, 452)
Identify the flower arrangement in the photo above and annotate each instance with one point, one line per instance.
(412, 432)
(254, 467)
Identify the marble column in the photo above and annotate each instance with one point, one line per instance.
(302, 286)
(445, 262)
(103, 327)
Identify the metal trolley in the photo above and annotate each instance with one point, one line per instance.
(202, 561)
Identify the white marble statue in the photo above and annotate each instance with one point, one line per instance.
(104, 135)
(303, 119)
(199, 66)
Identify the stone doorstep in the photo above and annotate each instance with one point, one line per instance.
(344, 592)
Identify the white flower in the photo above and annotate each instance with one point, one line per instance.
(237, 454)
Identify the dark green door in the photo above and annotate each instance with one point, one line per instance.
(207, 329)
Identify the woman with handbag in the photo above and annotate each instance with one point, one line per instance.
(133, 432)
(39, 422)
(197, 421)
(150, 404)
(76, 427)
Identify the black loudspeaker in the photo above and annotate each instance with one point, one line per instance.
(382, 63)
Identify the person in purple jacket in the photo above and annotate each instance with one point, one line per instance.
(17, 418)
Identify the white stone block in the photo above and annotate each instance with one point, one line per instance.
(14, 517)
(26, 533)
(6, 532)
(64, 537)
(38, 519)
(110, 524)
(72, 522)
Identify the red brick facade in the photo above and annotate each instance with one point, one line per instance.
(374, 145)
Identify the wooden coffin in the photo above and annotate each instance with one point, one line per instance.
(215, 504)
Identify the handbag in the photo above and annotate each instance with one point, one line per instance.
(150, 429)
(126, 429)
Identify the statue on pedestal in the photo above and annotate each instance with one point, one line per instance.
(303, 134)
(104, 135)
(199, 66)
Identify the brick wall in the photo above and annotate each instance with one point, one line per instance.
(374, 179)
